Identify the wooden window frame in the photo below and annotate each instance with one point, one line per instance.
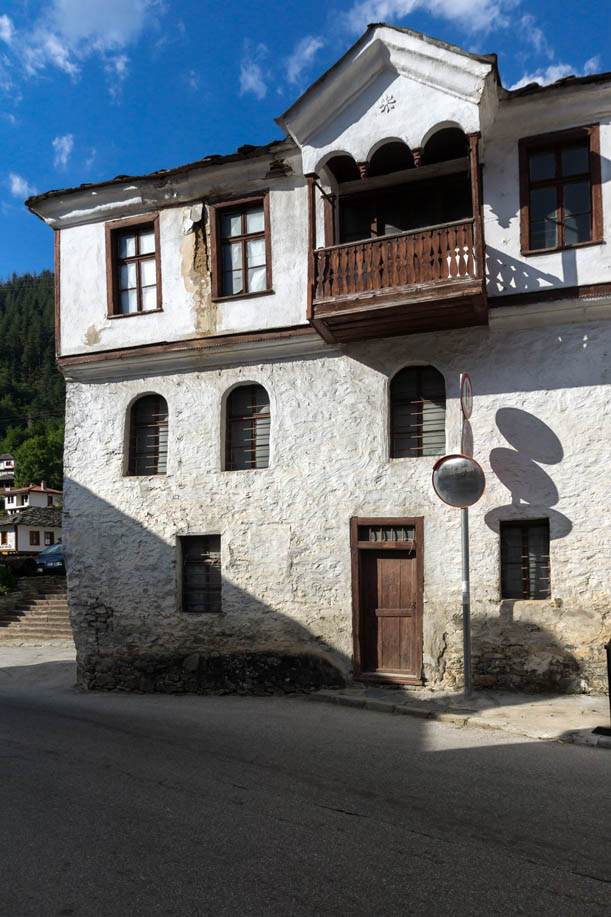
(214, 603)
(419, 425)
(524, 524)
(227, 464)
(4, 539)
(49, 539)
(132, 456)
(242, 204)
(113, 231)
(34, 539)
(556, 142)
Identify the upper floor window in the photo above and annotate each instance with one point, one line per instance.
(560, 190)
(248, 428)
(241, 247)
(417, 412)
(133, 266)
(148, 436)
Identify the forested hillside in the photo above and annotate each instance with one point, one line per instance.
(31, 387)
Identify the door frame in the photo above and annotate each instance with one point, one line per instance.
(356, 547)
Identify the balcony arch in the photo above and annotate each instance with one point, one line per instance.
(443, 143)
(388, 156)
(342, 167)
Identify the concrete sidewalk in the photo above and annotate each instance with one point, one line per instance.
(558, 717)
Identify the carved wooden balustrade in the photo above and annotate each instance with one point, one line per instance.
(439, 254)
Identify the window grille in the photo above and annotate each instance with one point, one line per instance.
(148, 453)
(525, 560)
(387, 533)
(248, 428)
(417, 413)
(201, 574)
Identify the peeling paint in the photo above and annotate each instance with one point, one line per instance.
(195, 270)
(92, 336)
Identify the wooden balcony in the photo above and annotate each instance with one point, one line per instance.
(423, 280)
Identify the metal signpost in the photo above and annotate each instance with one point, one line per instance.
(459, 481)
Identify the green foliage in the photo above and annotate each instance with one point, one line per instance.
(32, 389)
(8, 583)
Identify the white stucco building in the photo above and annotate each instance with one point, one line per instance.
(39, 495)
(263, 353)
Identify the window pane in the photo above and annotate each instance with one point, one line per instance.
(255, 221)
(128, 276)
(257, 279)
(232, 256)
(575, 159)
(149, 298)
(255, 252)
(129, 301)
(148, 275)
(577, 229)
(543, 204)
(577, 197)
(542, 166)
(232, 282)
(231, 225)
(127, 246)
(543, 235)
(147, 242)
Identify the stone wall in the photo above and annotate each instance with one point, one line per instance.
(540, 403)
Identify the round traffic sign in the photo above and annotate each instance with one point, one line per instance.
(466, 394)
(458, 480)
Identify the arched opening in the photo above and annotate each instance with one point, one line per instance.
(445, 144)
(394, 156)
(417, 412)
(148, 436)
(248, 425)
(343, 168)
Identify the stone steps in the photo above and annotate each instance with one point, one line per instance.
(40, 613)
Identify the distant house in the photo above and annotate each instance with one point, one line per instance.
(38, 495)
(31, 530)
(7, 470)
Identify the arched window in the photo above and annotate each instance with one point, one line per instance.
(417, 412)
(248, 428)
(148, 436)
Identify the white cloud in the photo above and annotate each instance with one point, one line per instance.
(546, 75)
(62, 148)
(91, 158)
(19, 187)
(535, 35)
(7, 29)
(252, 77)
(192, 79)
(473, 15)
(302, 56)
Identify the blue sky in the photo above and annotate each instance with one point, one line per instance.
(90, 89)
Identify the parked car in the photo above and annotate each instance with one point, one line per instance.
(51, 560)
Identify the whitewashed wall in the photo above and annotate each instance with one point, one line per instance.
(285, 530)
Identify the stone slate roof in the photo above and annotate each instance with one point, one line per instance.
(33, 488)
(41, 516)
(6, 456)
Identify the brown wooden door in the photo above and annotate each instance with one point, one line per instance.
(388, 614)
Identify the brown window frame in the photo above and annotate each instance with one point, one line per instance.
(418, 426)
(209, 595)
(133, 455)
(34, 539)
(230, 419)
(3, 538)
(49, 539)
(113, 262)
(525, 525)
(556, 142)
(243, 205)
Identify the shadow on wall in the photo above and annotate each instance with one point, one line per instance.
(509, 275)
(533, 492)
(129, 630)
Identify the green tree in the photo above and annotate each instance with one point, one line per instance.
(40, 458)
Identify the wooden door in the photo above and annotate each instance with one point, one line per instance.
(388, 616)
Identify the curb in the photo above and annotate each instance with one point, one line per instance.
(474, 721)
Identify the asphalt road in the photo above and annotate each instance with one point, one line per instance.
(146, 805)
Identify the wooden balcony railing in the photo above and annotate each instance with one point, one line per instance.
(435, 255)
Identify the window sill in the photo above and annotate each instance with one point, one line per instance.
(528, 252)
(134, 314)
(243, 295)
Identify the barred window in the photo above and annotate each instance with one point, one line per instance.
(148, 440)
(525, 566)
(248, 428)
(201, 574)
(417, 413)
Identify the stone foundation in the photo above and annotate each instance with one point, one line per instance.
(194, 673)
